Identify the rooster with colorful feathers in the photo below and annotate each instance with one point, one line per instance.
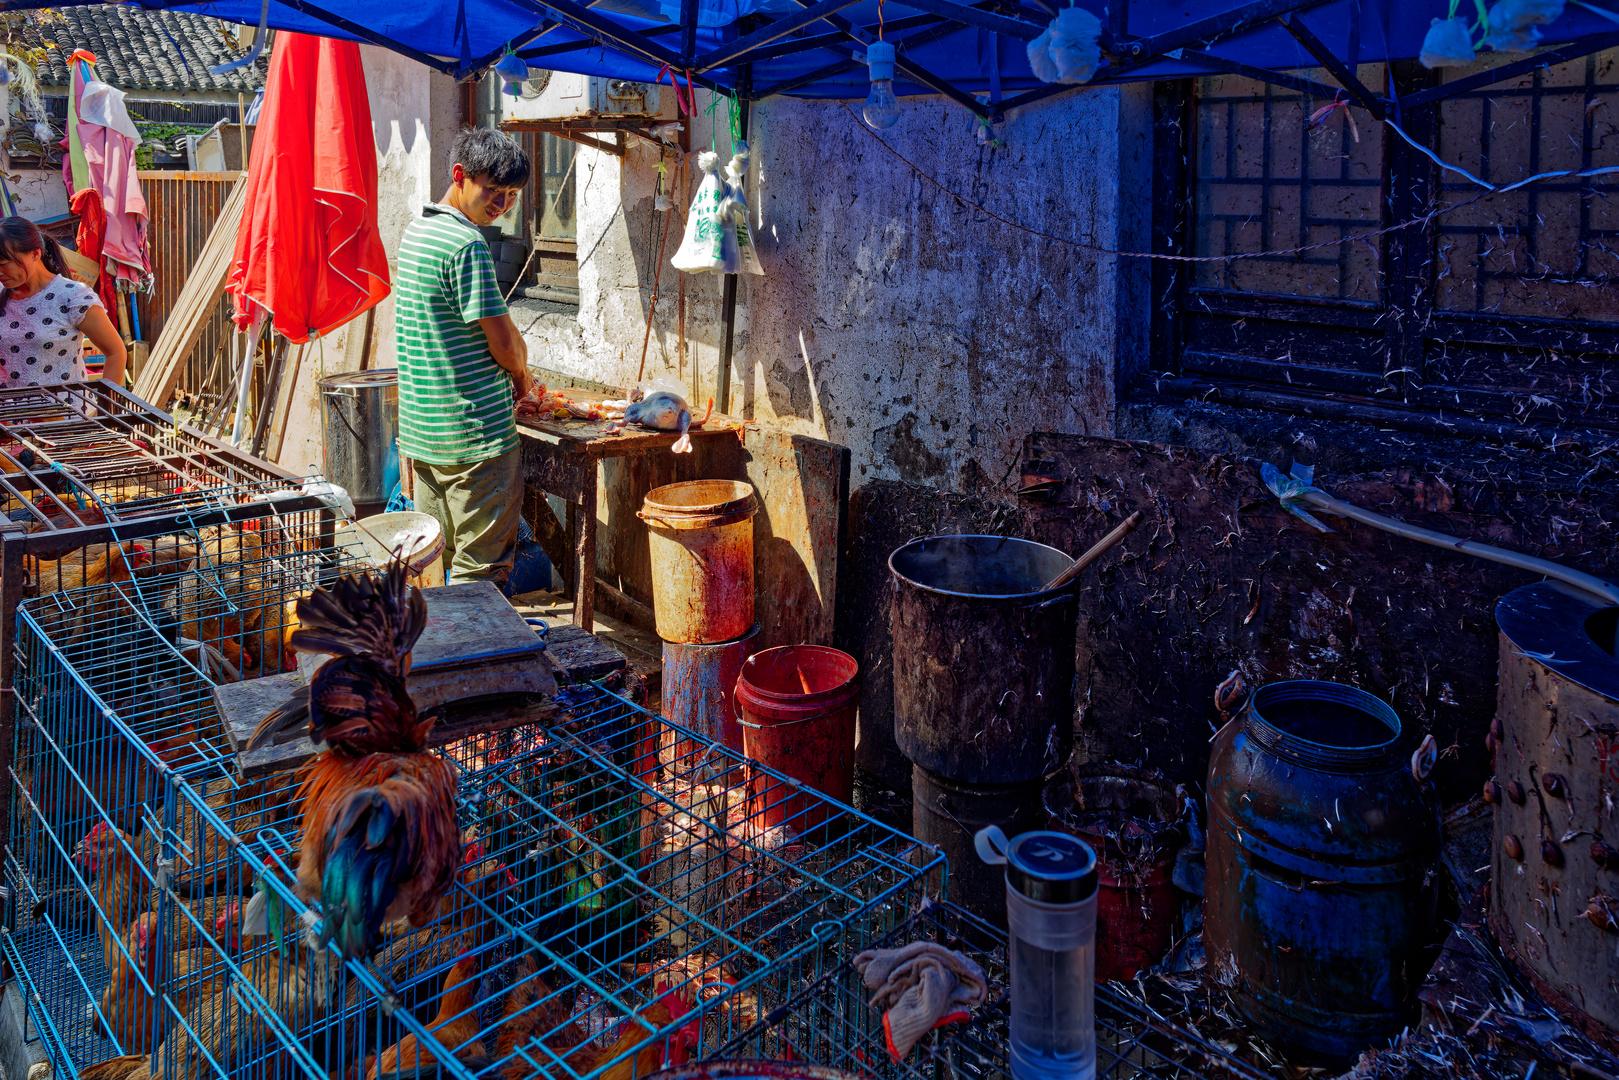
(379, 839)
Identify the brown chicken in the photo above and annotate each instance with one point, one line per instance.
(119, 889)
(78, 569)
(455, 1028)
(532, 1013)
(378, 837)
(130, 1011)
(217, 1026)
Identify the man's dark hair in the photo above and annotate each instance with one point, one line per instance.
(485, 152)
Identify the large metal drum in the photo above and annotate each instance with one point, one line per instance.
(359, 422)
(983, 658)
(1320, 891)
(1555, 868)
(948, 815)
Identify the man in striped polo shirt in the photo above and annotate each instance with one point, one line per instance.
(462, 363)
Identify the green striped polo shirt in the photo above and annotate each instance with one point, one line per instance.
(455, 402)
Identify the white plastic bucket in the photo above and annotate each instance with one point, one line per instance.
(380, 535)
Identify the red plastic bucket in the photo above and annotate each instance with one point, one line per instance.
(797, 710)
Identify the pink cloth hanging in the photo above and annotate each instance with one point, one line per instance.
(112, 210)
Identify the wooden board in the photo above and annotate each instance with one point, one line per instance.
(592, 437)
(467, 626)
(578, 656)
(491, 698)
(802, 485)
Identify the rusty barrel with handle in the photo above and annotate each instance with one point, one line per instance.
(700, 533)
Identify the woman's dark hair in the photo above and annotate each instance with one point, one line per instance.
(491, 153)
(19, 236)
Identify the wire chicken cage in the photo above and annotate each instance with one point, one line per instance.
(98, 487)
(620, 908)
(829, 1021)
(632, 893)
(126, 801)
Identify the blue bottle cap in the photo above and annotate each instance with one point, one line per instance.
(1051, 867)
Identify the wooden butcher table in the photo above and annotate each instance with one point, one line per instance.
(561, 458)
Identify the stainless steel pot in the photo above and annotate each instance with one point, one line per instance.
(359, 418)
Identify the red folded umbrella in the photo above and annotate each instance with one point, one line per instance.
(308, 252)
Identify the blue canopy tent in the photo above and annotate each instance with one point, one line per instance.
(972, 54)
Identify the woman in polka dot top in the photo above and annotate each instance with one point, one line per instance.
(45, 315)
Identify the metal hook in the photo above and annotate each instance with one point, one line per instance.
(253, 53)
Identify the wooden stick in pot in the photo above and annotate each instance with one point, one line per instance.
(1098, 549)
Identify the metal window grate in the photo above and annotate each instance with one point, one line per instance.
(1549, 250)
(1264, 182)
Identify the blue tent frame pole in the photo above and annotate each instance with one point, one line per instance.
(774, 31)
(722, 377)
(354, 28)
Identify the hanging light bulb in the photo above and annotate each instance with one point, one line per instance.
(882, 107)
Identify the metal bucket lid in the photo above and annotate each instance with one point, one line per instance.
(1047, 867)
(1577, 635)
(360, 380)
(705, 498)
(979, 567)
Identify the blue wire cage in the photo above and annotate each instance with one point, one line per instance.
(120, 884)
(632, 894)
(632, 897)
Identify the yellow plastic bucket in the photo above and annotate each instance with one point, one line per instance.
(380, 535)
(702, 559)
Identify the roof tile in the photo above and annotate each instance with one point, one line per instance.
(137, 49)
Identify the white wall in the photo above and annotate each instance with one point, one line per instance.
(892, 318)
(40, 193)
(413, 115)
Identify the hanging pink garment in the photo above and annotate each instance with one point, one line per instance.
(103, 189)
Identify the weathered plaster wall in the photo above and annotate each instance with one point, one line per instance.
(893, 318)
(413, 115)
(40, 193)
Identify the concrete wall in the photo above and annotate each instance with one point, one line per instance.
(892, 318)
(40, 193)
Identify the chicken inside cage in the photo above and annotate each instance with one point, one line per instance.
(584, 908)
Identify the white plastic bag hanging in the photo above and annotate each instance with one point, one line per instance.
(735, 210)
(1447, 44)
(1069, 50)
(703, 247)
(1513, 23)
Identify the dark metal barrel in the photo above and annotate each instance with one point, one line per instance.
(948, 815)
(1320, 891)
(983, 658)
